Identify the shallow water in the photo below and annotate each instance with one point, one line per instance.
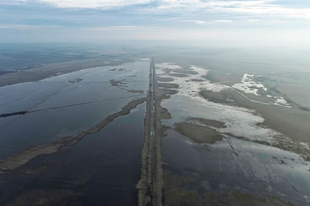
(239, 121)
(249, 86)
(25, 96)
(251, 168)
(61, 106)
(231, 164)
(101, 169)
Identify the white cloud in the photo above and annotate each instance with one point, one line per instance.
(14, 26)
(200, 22)
(113, 28)
(12, 2)
(260, 8)
(223, 21)
(252, 20)
(22, 26)
(103, 4)
(253, 9)
(195, 21)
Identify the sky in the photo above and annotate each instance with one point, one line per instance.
(223, 22)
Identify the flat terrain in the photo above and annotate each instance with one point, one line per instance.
(184, 126)
(79, 141)
(236, 136)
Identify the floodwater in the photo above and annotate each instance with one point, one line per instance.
(249, 86)
(101, 169)
(233, 163)
(60, 108)
(250, 168)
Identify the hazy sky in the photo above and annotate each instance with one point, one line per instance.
(257, 22)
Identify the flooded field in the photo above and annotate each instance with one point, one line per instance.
(221, 153)
(154, 133)
(80, 140)
(154, 103)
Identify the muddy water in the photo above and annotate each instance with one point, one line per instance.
(231, 164)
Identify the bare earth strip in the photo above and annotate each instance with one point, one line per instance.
(51, 148)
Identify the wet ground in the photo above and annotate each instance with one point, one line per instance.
(104, 166)
(79, 139)
(240, 159)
